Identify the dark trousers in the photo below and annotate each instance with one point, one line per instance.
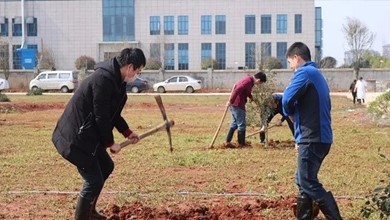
(354, 97)
(95, 175)
(310, 157)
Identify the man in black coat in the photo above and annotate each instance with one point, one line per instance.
(84, 130)
(274, 108)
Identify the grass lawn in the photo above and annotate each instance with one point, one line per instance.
(148, 172)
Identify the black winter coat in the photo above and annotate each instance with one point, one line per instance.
(95, 109)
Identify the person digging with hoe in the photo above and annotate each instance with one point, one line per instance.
(84, 131)
(306, 101)
(274, 108)
(241, 92)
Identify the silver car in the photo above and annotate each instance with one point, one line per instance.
(178, 83)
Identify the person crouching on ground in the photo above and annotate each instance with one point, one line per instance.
(84, 131)
(275, 107)
(241, 92)
(306, 101)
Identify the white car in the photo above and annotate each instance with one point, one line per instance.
(178, 83)
(66, 81)
(4, 84)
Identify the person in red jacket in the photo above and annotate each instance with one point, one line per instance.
(241, 92)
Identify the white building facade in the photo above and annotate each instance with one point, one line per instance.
(181, 34)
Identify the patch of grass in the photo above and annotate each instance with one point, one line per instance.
(4, 98)
(149, 172)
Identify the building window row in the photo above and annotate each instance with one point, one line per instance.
(254, 55)
(220, 24)
(31, 25)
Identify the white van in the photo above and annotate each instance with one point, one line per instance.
(66, 81)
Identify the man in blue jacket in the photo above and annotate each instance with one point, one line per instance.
(84, 130)
(307, 102)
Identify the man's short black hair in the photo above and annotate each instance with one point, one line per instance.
(299, 49)
(260, 75)
(133, 56)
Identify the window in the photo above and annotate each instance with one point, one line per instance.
(183, 56)
(298, 23)
(206, 24)
(169, 56)
(266, 24)
(3, 26)
(220, 55)
(155, 51)
(169, 23)
(42, 76)
(265, 50)
(118, 20)
(64, 75)
(183, 25)
(183, 79)
(172, 80)
(52, 76)
(17, 26)
(32, 26)
(220, 24)
(281, 49)
(250, 24)
(205, 53)
(281, 24)
(250, 55)
(154, 25)
(16, 61)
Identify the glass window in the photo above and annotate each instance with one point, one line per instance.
(169, 24)
(172, 80)
(265, 50)
(183, 79)
(16, 27)
(51, 75)
(281, 49)
(220, 24)
(298, 23)
(220, 55)
(206, 24)
(32, 26)
(183, 56)
(183, 25)
(16, 62)
(42, 76)
(250, 24)
(266, 24)
(250, 55)
(154, 25)
(64, 75)
(281, 24)
(169, 56)
(4, 27)
(205, 51)
(118, 20)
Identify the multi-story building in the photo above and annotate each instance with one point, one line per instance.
(180, 33)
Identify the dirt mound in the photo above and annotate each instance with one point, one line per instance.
(205, 210)
(271, 144)
(9, 107)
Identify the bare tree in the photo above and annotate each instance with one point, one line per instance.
(4, 57)
(359, 39)
(328, 62)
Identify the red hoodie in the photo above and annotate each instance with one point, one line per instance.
(242, 91)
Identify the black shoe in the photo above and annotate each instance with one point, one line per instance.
(229, 135)
(83, 209)
(241, 138)
(328, 207)
(304, 207)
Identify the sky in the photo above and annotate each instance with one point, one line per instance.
(375, 14)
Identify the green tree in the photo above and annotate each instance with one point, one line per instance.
(4, 58)
(209, 63)
(270, 63)
(359, 39)
(327, 62)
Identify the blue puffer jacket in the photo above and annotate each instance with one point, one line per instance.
(307, 98)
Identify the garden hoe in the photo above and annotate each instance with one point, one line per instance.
(167, 124)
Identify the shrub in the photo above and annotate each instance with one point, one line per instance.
(84, 62)
(35, 92)
(209, 63)
(380, 109)
(378, 201)
(4, 98)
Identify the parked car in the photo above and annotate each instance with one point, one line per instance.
(4, 84)
(138, 85)
(66, 81)
(178, 83)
